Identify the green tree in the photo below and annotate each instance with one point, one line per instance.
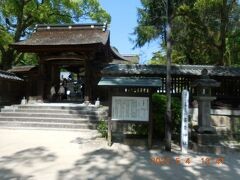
(155, 21)
(204, 31)
(198, 30)
(18, 17)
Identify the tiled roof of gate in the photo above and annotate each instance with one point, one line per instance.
(184, 70)
(9, 76)
(68, 36)
(54, 35)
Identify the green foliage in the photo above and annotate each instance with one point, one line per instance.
(159, 103)
(203, 31)
(159, 109)
(160, 58)
(139, 129)
(26, 59)
(102, 128)
(19, 17)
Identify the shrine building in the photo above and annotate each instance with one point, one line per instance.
(82, 49)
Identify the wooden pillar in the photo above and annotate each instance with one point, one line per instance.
(55, 74)
(109, 122)
(150, 123)
(41, 81)
(88, 80)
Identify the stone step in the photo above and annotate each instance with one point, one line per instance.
(47, 120)
(51, 115)
(48, 115)
(46, 125)
(56, 111)
(59, 107)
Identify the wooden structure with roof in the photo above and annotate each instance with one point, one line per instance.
(182, 77)
(30, 75)
(11, 88)
(81, 48)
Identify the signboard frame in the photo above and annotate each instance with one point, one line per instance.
(131, 106)
(149, 122)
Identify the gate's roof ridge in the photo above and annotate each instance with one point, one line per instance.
(70, 35)
(184, 70)
(69, 26)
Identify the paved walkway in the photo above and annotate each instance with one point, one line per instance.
(66, 155)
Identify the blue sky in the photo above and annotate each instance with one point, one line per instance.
(124, 19)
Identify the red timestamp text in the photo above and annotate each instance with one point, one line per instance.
(158, 160)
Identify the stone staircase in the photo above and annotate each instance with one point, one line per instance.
(52, 116)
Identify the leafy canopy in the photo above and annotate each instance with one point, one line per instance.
(18, 18)
(203, 32)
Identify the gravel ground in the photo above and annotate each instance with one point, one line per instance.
(72, 155)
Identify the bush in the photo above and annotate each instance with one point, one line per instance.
(139, 129)
(102, 128)
(159, 103)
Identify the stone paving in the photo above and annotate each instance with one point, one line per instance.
(27, 154)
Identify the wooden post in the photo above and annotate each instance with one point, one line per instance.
(88, 79)
(41, 81)
(150, 123)
(109, 131)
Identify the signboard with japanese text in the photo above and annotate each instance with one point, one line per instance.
(130, 108)
(184, 128)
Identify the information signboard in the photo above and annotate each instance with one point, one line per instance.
(130, 108)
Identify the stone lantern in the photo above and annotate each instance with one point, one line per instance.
(204, 98)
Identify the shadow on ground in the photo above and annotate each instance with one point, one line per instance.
(136, 163)
(8, 174)
(27, 158)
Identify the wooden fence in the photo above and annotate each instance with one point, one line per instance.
(228, 93)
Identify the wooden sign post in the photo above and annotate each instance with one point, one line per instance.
(130, 109)
(184, 128)
(132, 101)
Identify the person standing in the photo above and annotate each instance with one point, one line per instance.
(52, 93)
(61, 92)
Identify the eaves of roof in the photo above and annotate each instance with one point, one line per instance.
(183, 70)
(9, 76)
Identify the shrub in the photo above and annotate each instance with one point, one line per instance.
(159, 103)
(102, 128)
(139, 129)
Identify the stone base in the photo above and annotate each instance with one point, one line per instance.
(206, 130)
(205, 139)
(130, 139)
(136, 142)
(215, 149)
(35, 99)
(206, 143)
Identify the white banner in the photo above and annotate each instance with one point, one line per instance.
(184, 129)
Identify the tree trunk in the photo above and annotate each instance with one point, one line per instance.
(223, 32)
(168, 124)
